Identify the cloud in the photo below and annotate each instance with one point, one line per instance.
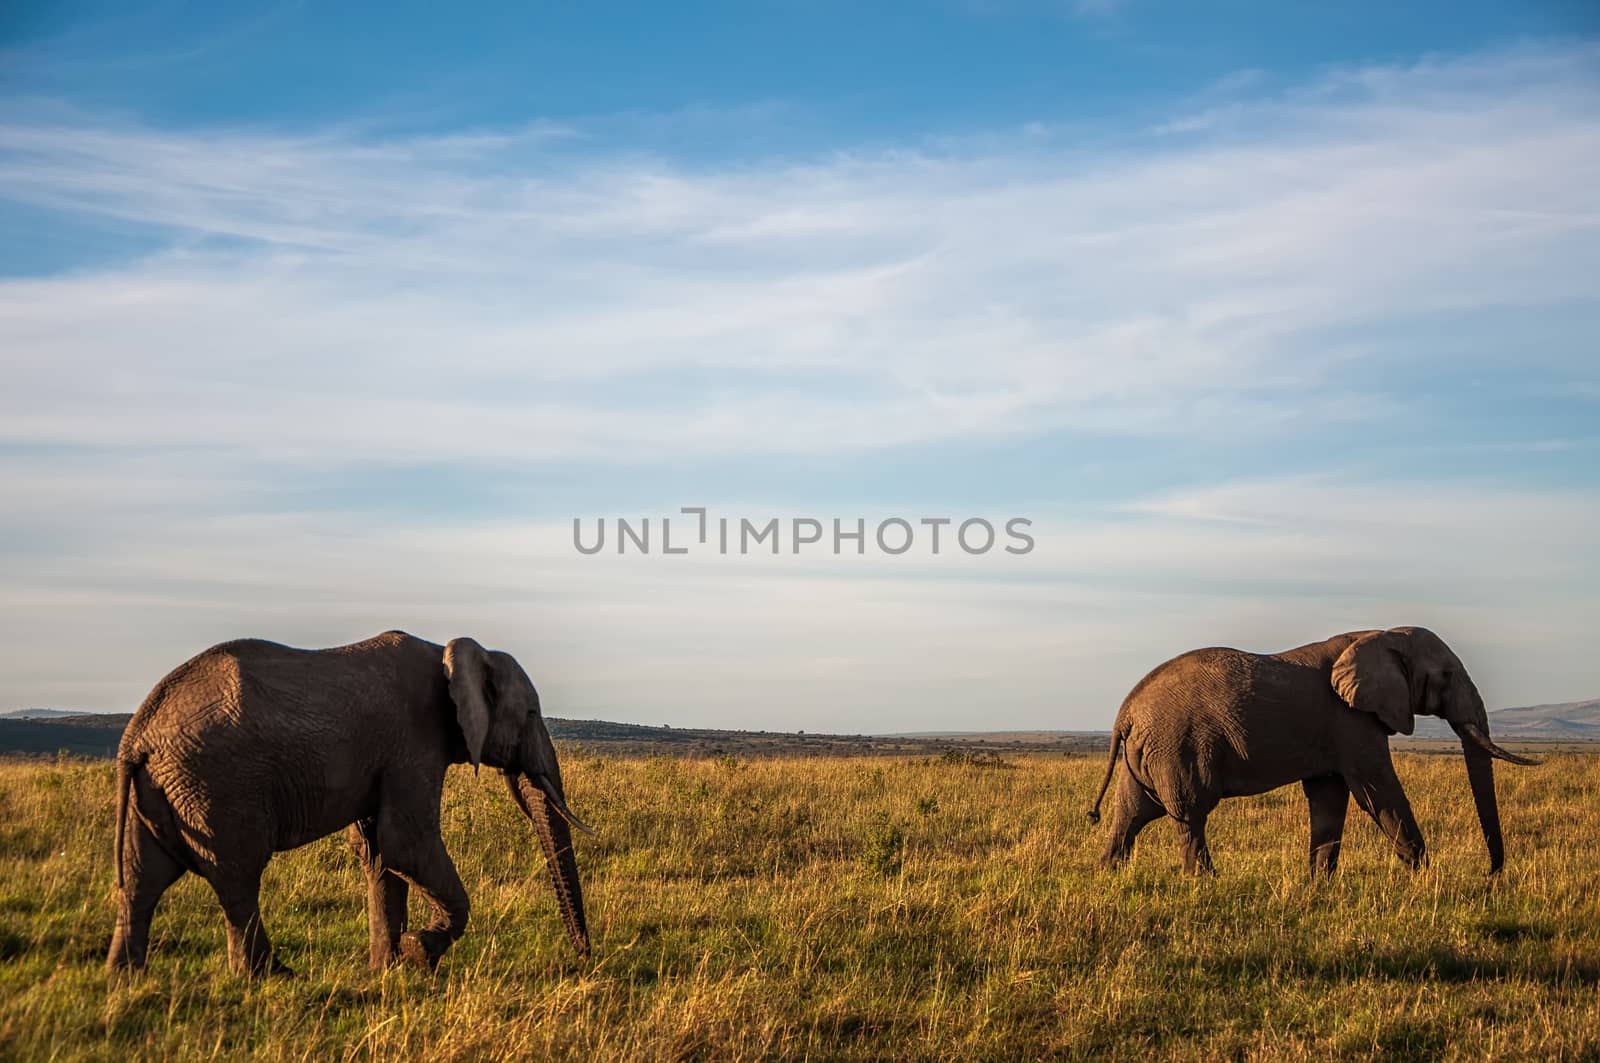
(1051, 639)
(447, 287)
(305, 306)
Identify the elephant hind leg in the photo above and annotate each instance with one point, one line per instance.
(386, 895)
(1329, 799)
(1192, 843)
(249, 949)
(147, 871)
(1135, 807)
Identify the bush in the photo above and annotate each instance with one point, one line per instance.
(884, 851)
(974, 758)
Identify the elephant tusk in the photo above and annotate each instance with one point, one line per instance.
(560, 805)
(1481, 740)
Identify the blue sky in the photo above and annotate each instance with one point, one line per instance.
(1277, 320)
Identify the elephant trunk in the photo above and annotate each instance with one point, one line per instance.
(1468, 718)
(541, 801)
(545, 772)
(1480, 773)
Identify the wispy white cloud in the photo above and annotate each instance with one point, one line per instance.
(329, 299)
(442, 284)
(1051, 639)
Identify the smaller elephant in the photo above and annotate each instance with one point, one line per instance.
(1218, 723)
(252, 748)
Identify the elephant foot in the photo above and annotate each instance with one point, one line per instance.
(272, 967)
(120, 959)
(1414, 858)
(422, 949)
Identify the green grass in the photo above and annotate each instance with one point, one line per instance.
(847, 909)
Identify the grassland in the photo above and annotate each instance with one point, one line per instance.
(847, 908)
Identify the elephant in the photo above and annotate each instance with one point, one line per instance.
(1220, 722)
(253, 748)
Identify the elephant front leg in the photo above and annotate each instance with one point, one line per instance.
(1329, 799)
(1381, 797)
(425, 863)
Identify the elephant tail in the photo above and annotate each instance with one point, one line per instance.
(1111, 767)
(125, 770)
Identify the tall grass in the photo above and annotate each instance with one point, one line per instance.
(838, 908)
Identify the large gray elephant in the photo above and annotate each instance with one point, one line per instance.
(252, 748)
(1218, 723)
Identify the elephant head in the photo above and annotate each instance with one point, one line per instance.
(498, 710)
(1399, 673)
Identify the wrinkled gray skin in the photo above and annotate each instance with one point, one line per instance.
(1218, 723)
(252, 748)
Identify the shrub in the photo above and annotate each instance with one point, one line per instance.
(884, 851)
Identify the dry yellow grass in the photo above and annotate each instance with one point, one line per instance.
(834, 908)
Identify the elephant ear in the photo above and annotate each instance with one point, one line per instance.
(467, 666)
(1370, 676)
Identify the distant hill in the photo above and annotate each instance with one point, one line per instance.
(97, 735)
(38, 714)
(49, 731)
(86, 735)
(1568, 721)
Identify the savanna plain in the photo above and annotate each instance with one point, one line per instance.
(846, 908)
